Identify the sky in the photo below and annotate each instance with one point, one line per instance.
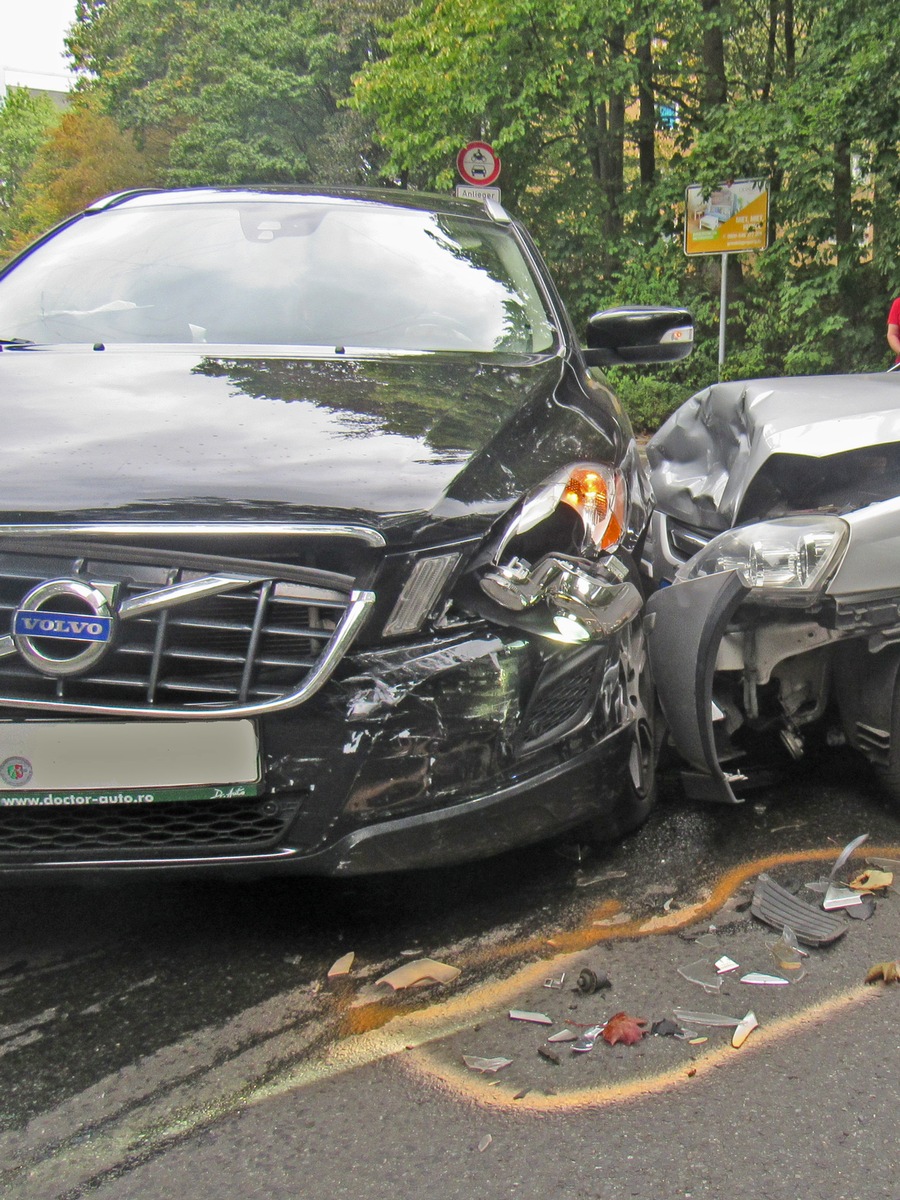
(32, 32)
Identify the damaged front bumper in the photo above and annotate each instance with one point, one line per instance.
(774, 629)
(453, 748)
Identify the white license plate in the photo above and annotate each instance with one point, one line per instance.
(64, 763)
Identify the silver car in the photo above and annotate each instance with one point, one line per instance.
(775, 549)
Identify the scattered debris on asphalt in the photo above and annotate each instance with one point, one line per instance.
(484, 1143)
(763, 980)
(549, 1054)
(787, 952)
(564, 1035)
(774, 905)
(555, 983)
(703, 974)
(743, 1030)
(621, 1028)
(422, 971)
(341, 966)
(888, 972)
(590, 981)
(725, 964)
(488, 1066)
(665, 1028)
(586, 1042)
(518, 1014)
(713, 1020)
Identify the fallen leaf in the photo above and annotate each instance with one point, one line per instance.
(888, 971)
(622, 1028)
(871, 881)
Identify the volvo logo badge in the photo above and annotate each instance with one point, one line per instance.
(63, 626)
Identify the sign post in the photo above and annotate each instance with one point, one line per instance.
(730, 219)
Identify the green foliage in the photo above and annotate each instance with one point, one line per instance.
(25, 123)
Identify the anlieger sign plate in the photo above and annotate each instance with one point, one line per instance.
(83, 763)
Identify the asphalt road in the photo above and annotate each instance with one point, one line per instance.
(183, 1039)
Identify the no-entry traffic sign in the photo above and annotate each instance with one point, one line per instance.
(477, 163)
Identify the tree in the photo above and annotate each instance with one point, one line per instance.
(25, 122)
(85, 157)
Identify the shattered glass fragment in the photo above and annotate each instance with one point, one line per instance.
(708, 941)
(422, 971)
(341, 966)
(787, 952)
(743, 1030)
(488, 1066)
(715, 1020)
(840, 897)
(587, 1039)
(703, 974)
(518, 1014)
(551, 1055)
(484, 1143)
(763, 980)
(564, 1035)
(726, 964)
(846, 853)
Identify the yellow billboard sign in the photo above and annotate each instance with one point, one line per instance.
(730, 218)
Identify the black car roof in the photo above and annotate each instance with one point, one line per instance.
(393, 197)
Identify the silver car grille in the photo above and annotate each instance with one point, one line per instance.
(188, 642)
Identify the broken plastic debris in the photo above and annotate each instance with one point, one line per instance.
(697, 1041)
(763, 980)
(518, 1014)
(589, 981)
(564, 1035)
(743, 1030)
(484, 1143)
(488, 1066)
(786, 951)
(889, 972)
(665, 1028)
(587, 1039)
(549, 1054)
(872, 881)
(703, 974)
(776, 906)
(422, 971)
(716, 1020)
(726, 964)
(342, 966)
(862, 912)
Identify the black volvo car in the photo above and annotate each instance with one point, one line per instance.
(317, 539)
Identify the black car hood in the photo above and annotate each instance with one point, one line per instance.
(398, 442)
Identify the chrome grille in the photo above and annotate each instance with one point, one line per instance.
(259, 641)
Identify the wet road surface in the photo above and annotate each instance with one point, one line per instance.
(182, 1038)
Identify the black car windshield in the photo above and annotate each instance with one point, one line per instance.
(323, 273)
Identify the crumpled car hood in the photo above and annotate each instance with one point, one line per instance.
(706, 454)
(399, 442)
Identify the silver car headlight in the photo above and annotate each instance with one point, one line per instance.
(799, 554)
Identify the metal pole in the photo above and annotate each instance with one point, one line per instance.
(723, 305)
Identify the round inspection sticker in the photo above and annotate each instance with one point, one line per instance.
(478, 163)
(15, 772)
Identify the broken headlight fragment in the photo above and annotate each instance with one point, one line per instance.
(796, 553)
(582, 602)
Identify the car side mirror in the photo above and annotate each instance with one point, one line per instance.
(639, 334)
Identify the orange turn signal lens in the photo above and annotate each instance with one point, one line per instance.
(598, 496)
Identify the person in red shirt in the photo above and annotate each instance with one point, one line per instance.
(893, 334)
